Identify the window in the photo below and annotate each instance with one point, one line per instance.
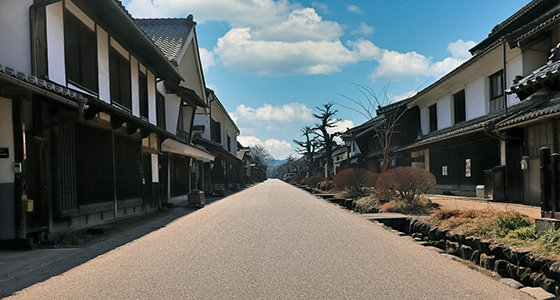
(229, 143)
(120, 79)
(496, 91)
(433, 117)
(160, 110)
(80, 53)
(459, 107)
(216, 131)
(180, 122)
(143, 91)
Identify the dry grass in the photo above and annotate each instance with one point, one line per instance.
(486, 223)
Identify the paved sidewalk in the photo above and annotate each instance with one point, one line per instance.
(457, 202)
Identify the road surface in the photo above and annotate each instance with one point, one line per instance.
(272, 241)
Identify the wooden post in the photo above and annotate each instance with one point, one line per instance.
(554, 186)
(545, 181)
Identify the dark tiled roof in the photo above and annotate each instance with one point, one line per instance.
(466, 127)
(528, 12)
(545, 109)
(43, 84)
(543, 22)
(367, 124)
(169, 35)
(377, 121)
(533, 82)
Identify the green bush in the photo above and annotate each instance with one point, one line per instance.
(509, 221)
(523, 234)
(367, 204)
(550, 240)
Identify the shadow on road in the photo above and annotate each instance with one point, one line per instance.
(21, 269)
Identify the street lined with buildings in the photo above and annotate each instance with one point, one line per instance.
(271, 241)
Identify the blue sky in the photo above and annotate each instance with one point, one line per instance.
(272, 63)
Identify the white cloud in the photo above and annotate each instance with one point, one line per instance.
(354, 9)
(395, 65)
(363, 29)
(248, 141)
(460, 49)
(341, 126)
(207, 58)
(268, 113)
(278, 149)
(321, 7)
(272, 38)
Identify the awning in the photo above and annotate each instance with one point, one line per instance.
(173, 146)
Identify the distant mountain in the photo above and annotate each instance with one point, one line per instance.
(277, 162)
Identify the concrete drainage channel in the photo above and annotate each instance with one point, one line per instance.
(536, 276)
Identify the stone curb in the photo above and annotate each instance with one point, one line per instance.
(517, 268)
(538, 293)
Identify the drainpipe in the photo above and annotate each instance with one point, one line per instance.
(504, 73)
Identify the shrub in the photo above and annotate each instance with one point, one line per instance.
(354, 179)
(404, 183)
(506, 222)
(313, 180)
(417, 206)
(325, 185)
(296, 179)
(550, 240)
(367, 204)
(523, 234)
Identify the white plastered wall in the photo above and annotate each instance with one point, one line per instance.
(103, 65)
(189, 68)
(55, 43)
(15, 48)
(172, 106)
(514, 67)
(444, 112)
(475, 99)
(152, 110)
(134, 88)
(425, 119)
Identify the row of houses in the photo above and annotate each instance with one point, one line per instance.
(483, 123)
(103, 116)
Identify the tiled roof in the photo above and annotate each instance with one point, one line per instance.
(43, 84)
(531, 10)
(169, 35)
(533, 82)
(545, 109)
(466, 127)
(543, 22)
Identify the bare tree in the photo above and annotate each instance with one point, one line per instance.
(389, 113)
(327, 121)
(261, 157)
(308, 146)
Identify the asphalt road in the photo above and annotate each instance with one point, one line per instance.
(272, 241)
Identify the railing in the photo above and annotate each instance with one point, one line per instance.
(183, 136)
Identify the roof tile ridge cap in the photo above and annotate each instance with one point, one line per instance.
(515, 16)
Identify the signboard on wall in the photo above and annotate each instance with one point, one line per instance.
(4, 153)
